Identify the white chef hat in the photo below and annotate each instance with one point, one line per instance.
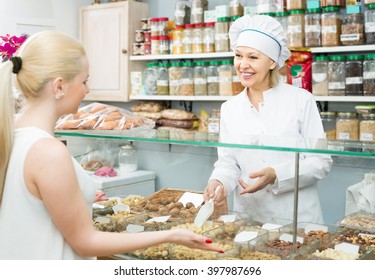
(263, 33)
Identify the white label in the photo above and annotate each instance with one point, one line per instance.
(195, 11)
(349, 37)
(344, 136)
(186, 81)
(221, 36)
(365, 234)
(162, 82)
(179, 13)
(312, 28)
(368, 75)
(161, 219)
(329, 29)
(347, 248)
(227, 218)
(245, 236)
(289, 238)
(212, 79)
(134, 228)
(102, 220)
(213, 127)
(366, 137)
(200, 81)
(270, 226)
(294, 29)
(354, 80)
(225, 79)
(174, 82)
(319, 77)
(336, 85)
(370, 27)
(195, 198)
(297, 82)
(315, 227)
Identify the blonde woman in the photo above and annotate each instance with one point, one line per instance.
(46, 197)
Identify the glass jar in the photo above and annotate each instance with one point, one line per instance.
(155, 45)
(177, 47)
(213, 77)
(329, 124)
(237, 86)
(197, 46)
(295, 5)
(197, 11)
(331, 26)
(163, 26)
(187, 39)
(320, 75)
(145, 24)
(354, 75)
(328, 3)
(369, 75)
(200, 78)
(296, 29)
(347, 126)
(282, 17)
(182, 12)
(367, 128)
(164, 44)
(187, 79)
(225, 78)
(313, 28)
(154, 26)
(353, 30)
(221, 34)
(150, 77)
(209, 37)
(236, 8)
(162, 87)
(214, 126)
(127, 158)
(174, 73)
(370, 24)
(336, 75)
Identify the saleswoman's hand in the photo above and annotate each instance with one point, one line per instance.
(209, 191)
(265, 177)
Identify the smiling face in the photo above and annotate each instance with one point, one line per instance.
(253, 68)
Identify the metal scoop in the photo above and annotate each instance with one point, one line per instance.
(206, 210)
(120, 207)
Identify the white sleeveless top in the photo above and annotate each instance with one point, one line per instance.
(26, 228)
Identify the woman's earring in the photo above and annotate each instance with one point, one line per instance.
(59, 95)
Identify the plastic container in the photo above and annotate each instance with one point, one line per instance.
(150, 77)
(354, 75)
(174, 73)
(296, 29)
(177, 47)
(370, 23)
(162, 86)
(221, 34)
(282, 17)
(320, 75)
(213, 77)
(236, 8)
(329, 124)
(353, 30)
(127, 158)
(197, 44)
(164, 44)
(295, 5)
(225, 77)
(214, 126)
(209, 37)
(187, 39)
(313, 28)
(187, 79)
(182, 12)
(197, 11)
(200, 78)
(155, 45)
(347, 126)
(369, 75)
(331, 26)
(336, 75)
(367, 128)
(163, 26)
(154, 26)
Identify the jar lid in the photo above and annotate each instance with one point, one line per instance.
(314, 10)
(210, 24)
(234, 18)
(175, 64)
(347, 114)
(214, 62)
(127, 146)
(328, 114)
(295, 12)
(199, 25)
(151, 64)
(367, 109)
(154, 19)
(337, 57)
(331, 9)
(188, 64)
(370, 56)
(200, 63)
(163, 64)
(165, 38)
(188, 25)
(321, 58)
(268, 14)
(355, 57)
(371, 6)
(368, 116)
(227, 62)
(155, 38)
(163, 19)
(282, 14)
(223, 19)
(180, 26)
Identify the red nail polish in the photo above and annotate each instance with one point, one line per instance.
(208, 241)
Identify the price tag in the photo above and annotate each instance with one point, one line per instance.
(347, 248)
(102, 220)
(270, 226)
(366, 234)
(289, 238)
(315, 227)
(227, 218)
(245, 236)
(195, 198)
(161, 219)
(134, 228)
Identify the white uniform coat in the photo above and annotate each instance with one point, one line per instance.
(290, 114)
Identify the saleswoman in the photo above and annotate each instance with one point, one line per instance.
(267, 112)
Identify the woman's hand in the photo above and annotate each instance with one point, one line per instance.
(265, 177)
(209, 191)
(190, 239)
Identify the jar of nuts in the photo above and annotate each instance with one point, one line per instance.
(367, 128)
(329, 124)
(331, 26)
(353, 30)
(336, 75)
(296, 29)
(347, 126)
(369, 75)
(313, 28)
(370, 23)
(354, 75)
